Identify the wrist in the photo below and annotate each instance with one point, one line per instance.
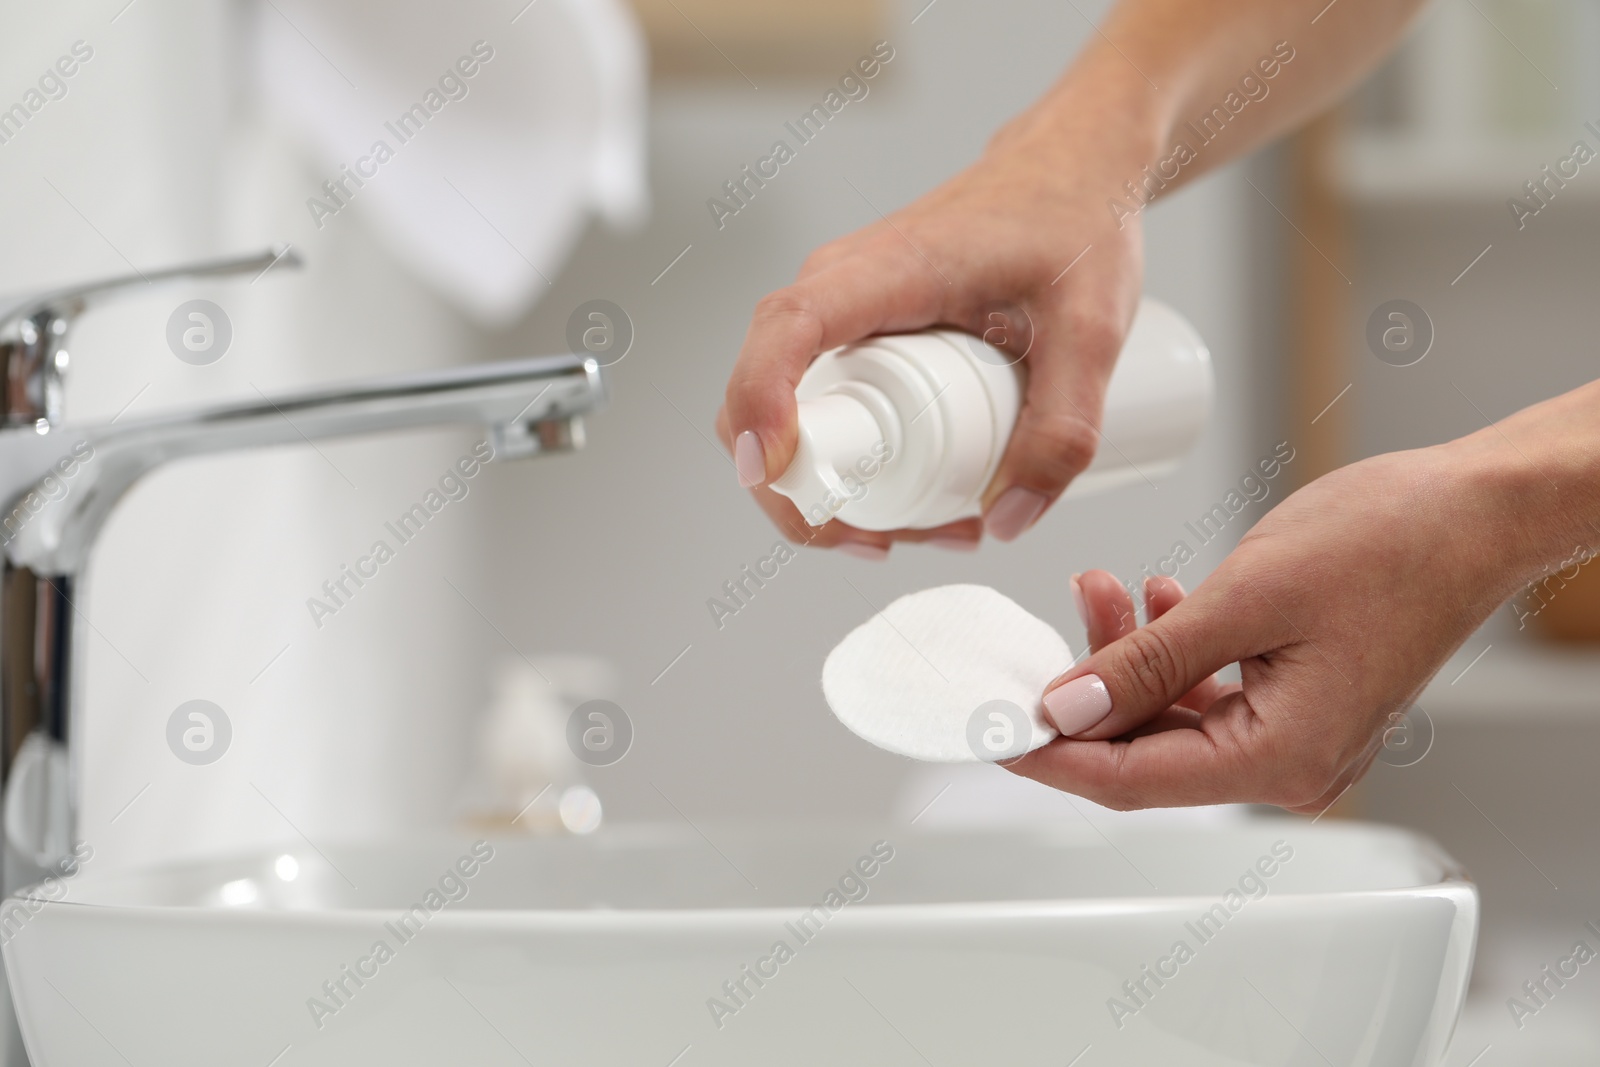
(1534, 480)
(1101, 119)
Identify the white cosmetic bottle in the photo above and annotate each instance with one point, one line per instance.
(906, 431)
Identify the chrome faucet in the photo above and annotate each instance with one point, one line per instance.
(59, 483)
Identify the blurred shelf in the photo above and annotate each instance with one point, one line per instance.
(1517, 681)
(758, 39)
(1404, 168)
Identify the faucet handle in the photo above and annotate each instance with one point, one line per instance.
(34, 328)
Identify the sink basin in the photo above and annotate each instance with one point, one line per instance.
(1276, 942)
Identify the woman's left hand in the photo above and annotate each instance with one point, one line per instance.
(1339, 606)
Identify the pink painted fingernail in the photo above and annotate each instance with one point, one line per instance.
(749, 459)
(863, 550)
(955, 544)
(1078, 705)
(1013, 512)
(1078, 601)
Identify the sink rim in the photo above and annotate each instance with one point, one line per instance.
(215, 870)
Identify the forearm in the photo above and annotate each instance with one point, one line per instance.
(1184, 87)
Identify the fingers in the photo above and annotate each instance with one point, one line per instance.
(1217, 762)
(1161, 595)
(961, 536)
(871, 292)
(1171, 719)
(1108, 616)
(787, 518)
(1165, 732)
(1145, 672)
(1231, 754)
(1074, 350)
(1147, 752)
(1104, 606)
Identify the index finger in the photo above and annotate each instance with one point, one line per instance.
(961, 535)
(872, 292)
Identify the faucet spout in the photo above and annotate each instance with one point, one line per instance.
(528, 405)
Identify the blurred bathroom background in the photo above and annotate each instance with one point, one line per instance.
(596, 568)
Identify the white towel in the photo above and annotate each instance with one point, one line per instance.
(953, 674)
(486, 190)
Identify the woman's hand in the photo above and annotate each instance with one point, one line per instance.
(997, 249)
(987, 252)
(1339, 606)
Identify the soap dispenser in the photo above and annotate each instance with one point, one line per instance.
(906, 431)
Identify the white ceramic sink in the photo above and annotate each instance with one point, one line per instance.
(982, 948)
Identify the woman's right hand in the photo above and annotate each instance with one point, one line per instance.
(1021, 248)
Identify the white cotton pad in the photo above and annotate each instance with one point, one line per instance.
(952, 674)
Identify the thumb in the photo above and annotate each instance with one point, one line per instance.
(1143, 674)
